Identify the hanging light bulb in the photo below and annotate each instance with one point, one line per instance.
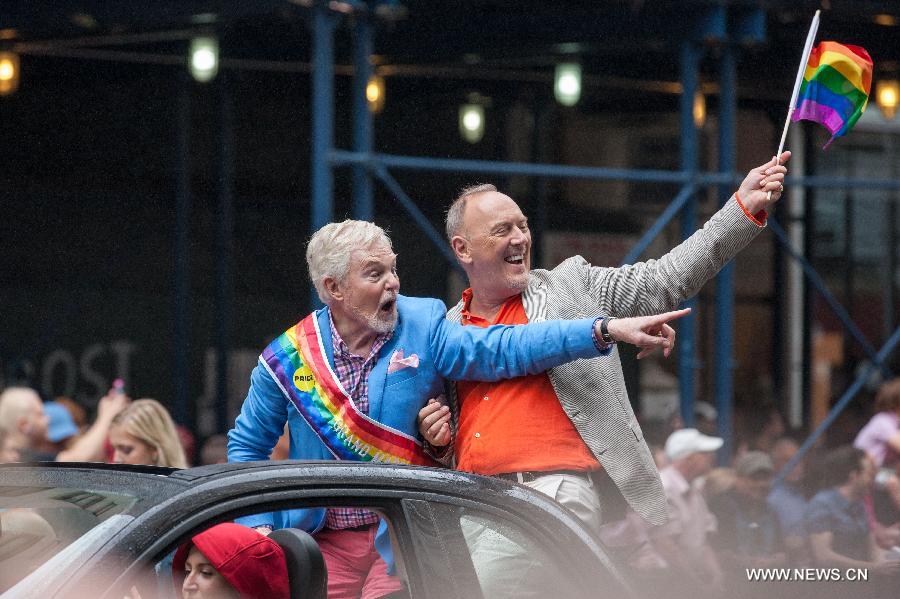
(471, 122)
(203, 59)
(888, 90)
(9, 73)
(375, 93)
(567, 83)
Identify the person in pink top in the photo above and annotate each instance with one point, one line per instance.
(880, 439)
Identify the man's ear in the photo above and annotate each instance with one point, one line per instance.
(24, 425)
(461, 248)
(333, 288)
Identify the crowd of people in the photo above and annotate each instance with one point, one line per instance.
(122, 432)
(836, 509)
(543, 404)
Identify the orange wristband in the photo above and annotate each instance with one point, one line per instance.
(759, 220)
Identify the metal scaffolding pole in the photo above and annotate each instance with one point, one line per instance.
(322, 116)
(363, 193)
(322, 209)
(691, 52)
(724, 333)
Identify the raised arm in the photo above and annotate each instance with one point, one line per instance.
(662, 284)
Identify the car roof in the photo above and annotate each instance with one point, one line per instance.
(153, 484)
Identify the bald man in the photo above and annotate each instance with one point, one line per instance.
(24, 422)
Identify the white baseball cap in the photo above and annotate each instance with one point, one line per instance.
(686, 441)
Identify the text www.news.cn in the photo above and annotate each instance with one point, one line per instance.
(807, 574)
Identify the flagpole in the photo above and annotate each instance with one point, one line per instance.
(810, 39)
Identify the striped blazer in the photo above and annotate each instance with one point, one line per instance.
(592, 392)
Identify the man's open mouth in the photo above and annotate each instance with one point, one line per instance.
(388, 305)
(515, 259)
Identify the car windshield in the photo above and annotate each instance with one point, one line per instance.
(39, 522)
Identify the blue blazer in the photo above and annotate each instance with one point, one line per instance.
(445, 350)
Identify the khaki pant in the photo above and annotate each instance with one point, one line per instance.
(507, 563)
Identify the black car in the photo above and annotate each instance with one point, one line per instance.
(96, 531)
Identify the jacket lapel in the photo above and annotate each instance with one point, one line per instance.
(378, 376)
(534, 300)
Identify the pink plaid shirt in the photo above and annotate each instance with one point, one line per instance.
(353, 373)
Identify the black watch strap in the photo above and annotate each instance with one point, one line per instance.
(604, 330)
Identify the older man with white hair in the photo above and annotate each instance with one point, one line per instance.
(349, 380)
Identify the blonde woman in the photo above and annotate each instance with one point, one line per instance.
(144, 433)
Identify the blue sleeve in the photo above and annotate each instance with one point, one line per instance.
(507, 351)
(261, 421)
(257, 429)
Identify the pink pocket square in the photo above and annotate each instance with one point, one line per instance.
(398, 362)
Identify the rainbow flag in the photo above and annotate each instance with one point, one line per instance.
(835, 88)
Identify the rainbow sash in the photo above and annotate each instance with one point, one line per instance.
(298, 364)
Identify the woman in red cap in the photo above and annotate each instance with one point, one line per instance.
(231, 561)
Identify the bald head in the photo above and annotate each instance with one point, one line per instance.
(456, 212)
(22, 414)
(492, 242)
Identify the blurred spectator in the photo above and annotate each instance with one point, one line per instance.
(880, 438)
(836, 521)
(747, 533)
(682, 541)
(9, 449)
(143, 433)
(705, 417)
(188, 442)
(77, 411)
(230, 560)
(718, 481)
(214, 450)
(61, 428)
(89, 447)
(22, 417)
(788, 500)
(762, 425)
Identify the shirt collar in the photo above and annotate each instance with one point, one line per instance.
(341, 348)
(466, 299)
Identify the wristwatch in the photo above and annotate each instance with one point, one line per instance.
(604, 330)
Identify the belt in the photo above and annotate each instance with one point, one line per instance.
(527, 477)
(359, 528)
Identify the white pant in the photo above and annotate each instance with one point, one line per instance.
(507, 563)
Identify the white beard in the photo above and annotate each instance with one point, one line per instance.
(380, 325)
(377, 322)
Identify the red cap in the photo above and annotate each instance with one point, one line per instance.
(250, 562)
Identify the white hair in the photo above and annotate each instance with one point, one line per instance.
(455, 213)
(328, 252)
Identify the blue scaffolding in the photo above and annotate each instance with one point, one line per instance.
(729, 28)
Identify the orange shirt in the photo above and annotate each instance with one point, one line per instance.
(517, 424)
